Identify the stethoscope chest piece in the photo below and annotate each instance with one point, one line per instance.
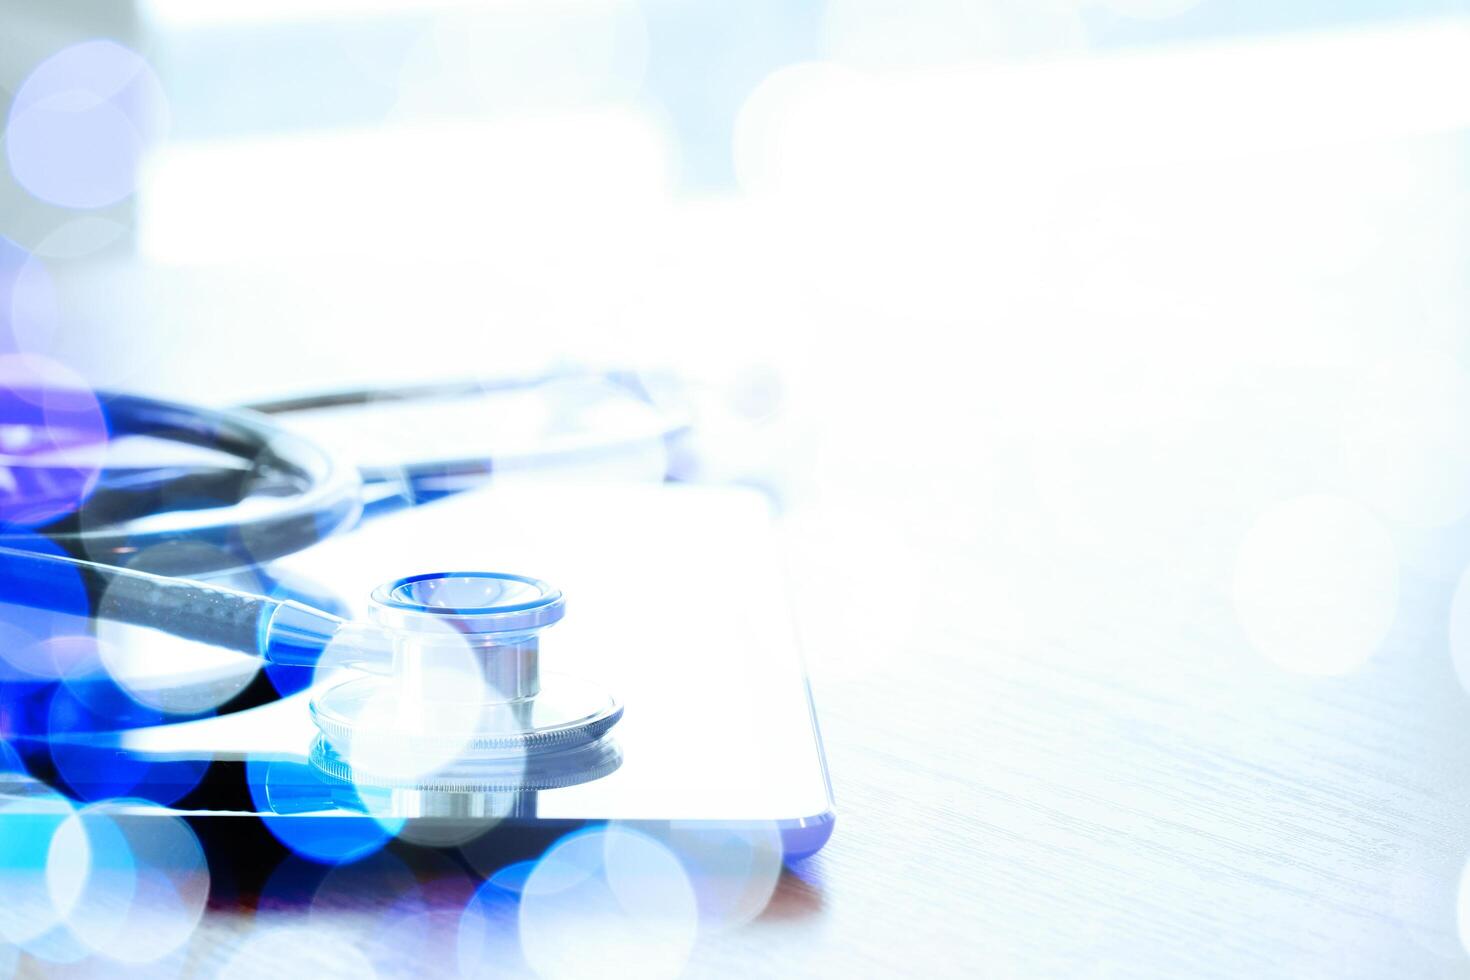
(461, 697)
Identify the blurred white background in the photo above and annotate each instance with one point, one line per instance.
(1039, 301)
(1073, 313)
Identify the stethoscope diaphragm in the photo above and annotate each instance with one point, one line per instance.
(462, 699)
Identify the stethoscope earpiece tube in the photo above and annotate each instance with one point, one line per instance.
(298, 493)
(311, 494)
(280, 631)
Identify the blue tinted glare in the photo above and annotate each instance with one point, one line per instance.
(116, 881)
(27, 826)
(37, 645)
(290, 797)
(95, 771)
(81, 122)
(489, 942)
(91, 874)
(511, 879)
(289, 680)
(10, 760)
(35, 609)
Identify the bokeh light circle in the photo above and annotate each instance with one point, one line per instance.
(303, 813)
(147, 886)
(372, 893)
(44, 612)
(94, 771)
(733, 869)
(1316, 585)
(28, 825)
(53, 439)
(411, 724)
(410, 912)
(166, 673)
(65, 656)
(81, 122)
(1425, 902)
(487, 857)
(608, 902)
(90, 874)
(28, 305)
(81, 236)
(287, 680)
(488, 943)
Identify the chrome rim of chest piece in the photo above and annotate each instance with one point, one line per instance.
(464, 695)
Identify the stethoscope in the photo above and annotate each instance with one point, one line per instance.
(310, 492)
(484, 622)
